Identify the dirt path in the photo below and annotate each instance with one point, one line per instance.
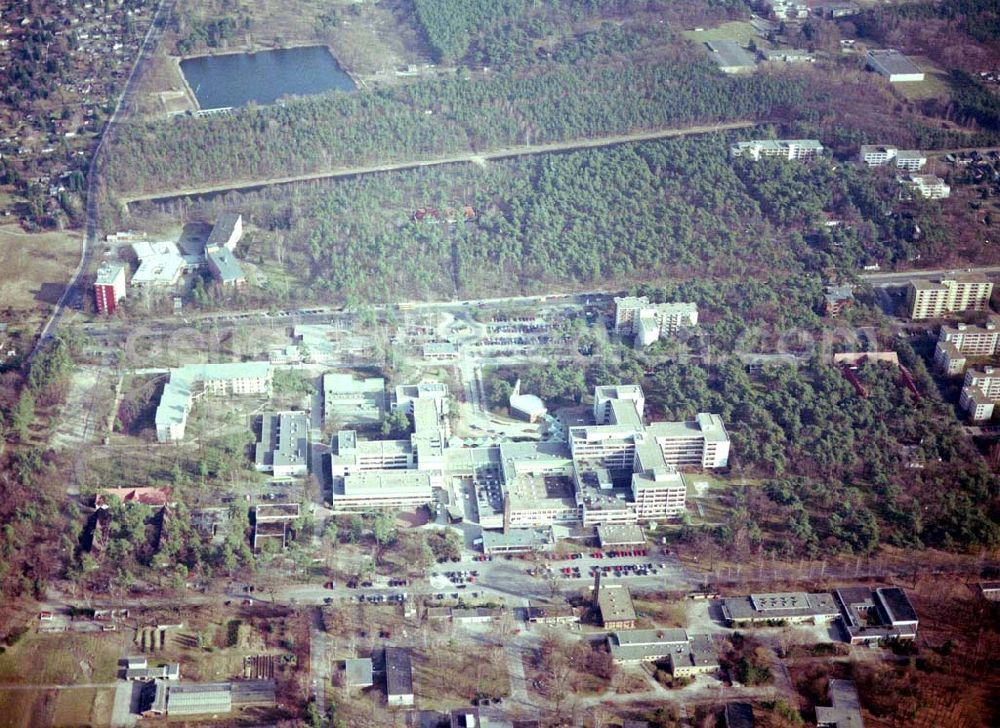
(474, 157)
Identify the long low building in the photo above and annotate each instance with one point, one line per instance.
(791, 607)
(646, 645)
(548, 613)
(611, 536)
(521, 540)
(893, 65)
(392, 489)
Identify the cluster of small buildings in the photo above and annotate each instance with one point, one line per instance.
(47, 135)
(161, 264)
(866, 616)
(648, 322)
(928, 186)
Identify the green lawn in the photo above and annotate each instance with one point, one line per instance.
(740, 31)
(935, 84)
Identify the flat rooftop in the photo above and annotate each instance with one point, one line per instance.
(623, 535)
(779, 606)
(517, 539)
(893, 62)
(897, 604)
(615, 603)
(387, 482)
(276, 511)
(359, 671)
(729, 54)
(398, 671)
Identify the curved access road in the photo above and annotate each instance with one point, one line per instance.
(92, 230)
(458, 158)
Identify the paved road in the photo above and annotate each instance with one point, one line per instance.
(473, 157)
(89, 240)
(121, 712)
(318, 660)
(60, 686)
(877, 279)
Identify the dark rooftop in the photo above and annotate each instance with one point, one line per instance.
(897, 603)
(398, 671)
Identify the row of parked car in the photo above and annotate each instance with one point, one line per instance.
(626, 570)
(382, 598)
(460, 577)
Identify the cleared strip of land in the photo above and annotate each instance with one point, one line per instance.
(478, 157)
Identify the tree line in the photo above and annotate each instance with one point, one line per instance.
(555, 103)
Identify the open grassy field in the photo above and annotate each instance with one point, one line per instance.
(64, 658)
(740, 31)
(935, 83)
(35, 267)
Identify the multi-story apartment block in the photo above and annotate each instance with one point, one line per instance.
(699, 443)
(109, 288)
(930, 299)
(980, 392)
(658, 493)
(784, 148)
(928, 186)
(974, 340)
(957, 343)
(650, 321)
(878, 156)
(788, 9)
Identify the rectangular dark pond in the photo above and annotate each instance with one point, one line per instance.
(236, 79)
